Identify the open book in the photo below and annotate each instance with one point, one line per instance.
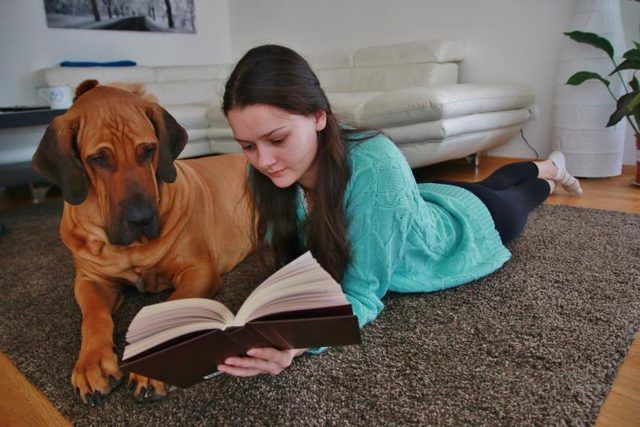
(182, 341)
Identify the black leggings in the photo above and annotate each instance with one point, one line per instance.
(510, 194)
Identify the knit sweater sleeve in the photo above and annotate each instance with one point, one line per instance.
(379, 213)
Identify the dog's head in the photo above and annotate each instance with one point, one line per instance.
(118, 146)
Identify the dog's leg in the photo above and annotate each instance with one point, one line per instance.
(96, 371)
(193, 282)
(196, 282)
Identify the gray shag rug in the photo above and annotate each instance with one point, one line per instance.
(538, 342)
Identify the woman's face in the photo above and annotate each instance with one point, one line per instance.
(279, 144)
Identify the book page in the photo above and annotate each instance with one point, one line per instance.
(301, 284)
(160, 337)
(297, 303)
(172, 314)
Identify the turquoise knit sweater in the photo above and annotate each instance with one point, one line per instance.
(409, 237)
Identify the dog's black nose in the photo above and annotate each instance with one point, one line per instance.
(139, 215)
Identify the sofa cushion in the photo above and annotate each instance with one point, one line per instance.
(422, 153)
(435, 51)
(387, 77)
(217, 117)
(190, 116)
(445, 128)
(424, 104)
(192, 72)
(439, 51)
(330, 60)
(347, 105)
(198, 145)
(187, 92)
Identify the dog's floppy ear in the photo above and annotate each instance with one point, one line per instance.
(85, 86)
(172, 137)
(57, 160)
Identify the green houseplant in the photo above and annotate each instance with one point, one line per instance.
(627, 104)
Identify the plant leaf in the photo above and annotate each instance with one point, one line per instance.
(627, 64)
(635, 101)
(623, 107)
(582, 76)
(593, 40)
(635, 85)
(632, 54)
(637, 45)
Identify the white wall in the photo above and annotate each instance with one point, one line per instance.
(507, 40)
(27, 45)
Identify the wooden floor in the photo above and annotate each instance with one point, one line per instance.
(22, 404)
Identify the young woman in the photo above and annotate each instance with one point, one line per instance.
(350, 197)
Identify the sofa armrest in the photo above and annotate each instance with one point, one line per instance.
(424, 104)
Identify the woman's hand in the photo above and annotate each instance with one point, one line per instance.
(260, 361)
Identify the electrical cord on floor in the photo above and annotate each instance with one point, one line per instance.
(529, 145)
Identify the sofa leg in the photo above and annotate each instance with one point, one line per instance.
(38, 192)
(474, 159)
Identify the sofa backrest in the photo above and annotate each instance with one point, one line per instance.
(170, 84)
(202, 84)
(181, 73)
(370, 69)
(389, 67)
(73, 76)
(187, 92)
(388, 77)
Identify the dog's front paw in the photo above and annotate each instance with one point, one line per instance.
(96, 373)
(147, 389)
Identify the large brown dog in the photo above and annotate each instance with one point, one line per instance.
(135, 216)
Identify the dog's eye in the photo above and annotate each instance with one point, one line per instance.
(100, 160)
(146, 152)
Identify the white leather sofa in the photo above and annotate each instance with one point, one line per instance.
(409, 90)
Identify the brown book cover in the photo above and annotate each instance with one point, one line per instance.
(181, 342)
(192, 358)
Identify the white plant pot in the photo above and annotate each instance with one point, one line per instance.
(581, 112)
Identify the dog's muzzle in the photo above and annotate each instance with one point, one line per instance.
(138, 218)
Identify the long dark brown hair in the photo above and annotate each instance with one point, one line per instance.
(278, 76)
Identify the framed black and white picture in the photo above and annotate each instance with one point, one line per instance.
(128, 15)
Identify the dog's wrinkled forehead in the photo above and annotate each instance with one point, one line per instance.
(106, 97)
(110, 115)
